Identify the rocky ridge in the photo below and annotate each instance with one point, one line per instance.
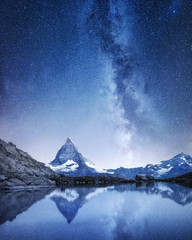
(19, 169)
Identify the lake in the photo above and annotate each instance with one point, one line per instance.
(137, 211)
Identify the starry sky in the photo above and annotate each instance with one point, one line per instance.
(114, 76)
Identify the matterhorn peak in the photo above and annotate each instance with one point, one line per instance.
(68, 140)
(70, 162)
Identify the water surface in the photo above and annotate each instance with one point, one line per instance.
(159, 211)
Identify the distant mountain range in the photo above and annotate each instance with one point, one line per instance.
(70, 162)
(178, 165)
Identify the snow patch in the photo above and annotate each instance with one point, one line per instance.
(69, 194)
(164, 188)
(69, 166)
(92, 165)
(163, 171)
(95, 193)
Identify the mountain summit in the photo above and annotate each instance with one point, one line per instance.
(67, 152)
(70, 162)
(68, 140)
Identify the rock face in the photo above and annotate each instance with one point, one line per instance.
(176, 166)
(18, 168)
(143, 177)
(70, 162)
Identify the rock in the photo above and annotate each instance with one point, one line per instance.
(27, 181)
(5, 184)
(18, 168)
(131, 180)
(144, 177)
(150, 177)
(2, 177)
(17, 182)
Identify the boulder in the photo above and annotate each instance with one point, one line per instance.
(2, 177)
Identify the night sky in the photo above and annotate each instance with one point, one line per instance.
(114, 76)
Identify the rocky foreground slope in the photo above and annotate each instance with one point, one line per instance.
(18, 168)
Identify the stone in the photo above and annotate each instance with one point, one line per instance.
(16, 181)
(2, 177)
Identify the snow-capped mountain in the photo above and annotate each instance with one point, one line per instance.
(70, 162)
(178, 165)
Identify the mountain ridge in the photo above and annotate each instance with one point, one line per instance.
(19, 169)
(70, 162)
(178, 165)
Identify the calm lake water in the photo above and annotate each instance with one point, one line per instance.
(159, 211)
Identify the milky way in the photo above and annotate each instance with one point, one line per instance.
(115, 76)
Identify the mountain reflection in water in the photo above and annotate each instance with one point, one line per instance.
(137, 211)
(69, 201)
